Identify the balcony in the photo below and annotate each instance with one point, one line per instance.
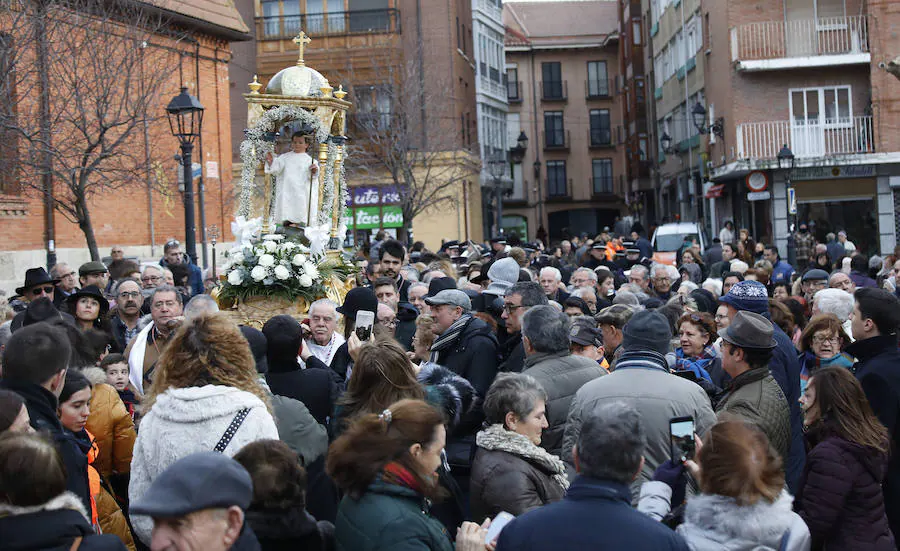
(763, 140)
(599, 138)
(329, 24)
(598, 89)
(558, 189)
(556, 140)
(491, 8)
(514, 91)
(554, 90)
(823, 42)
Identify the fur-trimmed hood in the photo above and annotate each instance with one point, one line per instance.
(718, 522)
(454, 394)
(95, 375)
(65, 500)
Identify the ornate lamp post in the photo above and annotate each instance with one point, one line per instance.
(666, 142)
(717, 128)
(185, 119)
(786, 162)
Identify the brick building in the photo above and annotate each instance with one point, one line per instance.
(809, 74)
(562, 64)
(143, 216)
(400, 60)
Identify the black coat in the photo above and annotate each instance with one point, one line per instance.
(290, 530)
(52, 530)
(514, 357)
(840, 497)
(315, 386)
(502, 481)
(473, 355)
(785, 369)
(42, 404)
(878, 371)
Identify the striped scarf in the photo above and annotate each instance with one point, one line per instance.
(642, 359)
(447, 338)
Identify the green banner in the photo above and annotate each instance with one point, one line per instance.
(370, 218)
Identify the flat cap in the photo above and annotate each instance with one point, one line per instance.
(453, 297)
(93, 267)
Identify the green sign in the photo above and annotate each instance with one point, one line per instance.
(370, 218)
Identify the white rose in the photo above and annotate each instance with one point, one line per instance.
(270, 246)
(305, 281)
(235, 278)
(298, 259)
(311, 269)
(237, 258)
(258, 273)
(281, 272)
(266, 260)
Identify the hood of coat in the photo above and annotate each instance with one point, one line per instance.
(95, 375)
(281, 524)
(51, 525)
(65, 500)
(199, 403)
(720, 519)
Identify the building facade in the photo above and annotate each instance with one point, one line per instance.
(809, 75)
(562, 66)
(409, 68)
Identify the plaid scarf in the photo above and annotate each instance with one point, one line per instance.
(699, 365)
(446, 339)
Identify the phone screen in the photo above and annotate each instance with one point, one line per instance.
(364, 322)
(497, 526)
(681, 431)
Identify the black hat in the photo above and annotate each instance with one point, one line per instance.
(815, 275)
(451, 245)
(706, 301)
(93, 267)
(258, 347)
(598, 245)
(647, 330)
(499, 239)
(438, 284)
(630, 247)
(35, 276)
(359, 298)
(584, 332)
(749, 330)
(91, 291)
(205, 480)
(483, 275)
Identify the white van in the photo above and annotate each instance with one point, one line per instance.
(668, 238)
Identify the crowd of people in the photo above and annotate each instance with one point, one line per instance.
(507, 396)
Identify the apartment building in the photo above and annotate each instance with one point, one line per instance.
(562, 64)
(406, 64)
(809, 75)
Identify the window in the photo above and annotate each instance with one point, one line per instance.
(9, 144)
(692, 35)
(642, 154)
(552, 85)
(831, 106)
(373, 106)
(315, 17)
(512, 84)
(636, 29)
(600, 127)
(659, 71)
(602, 176)
(458, 35)
(271, 18)
(666, 64)
(553, 127)
(556, 179)
(598, 80)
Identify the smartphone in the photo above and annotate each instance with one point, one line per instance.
(497, 526)
(681, 437)
(686, 374)
(364, 322)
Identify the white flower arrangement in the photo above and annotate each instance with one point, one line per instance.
(275, 266)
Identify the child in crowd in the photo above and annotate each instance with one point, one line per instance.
(116, 369)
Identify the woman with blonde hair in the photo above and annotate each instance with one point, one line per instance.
(742, 503)
(205, 397)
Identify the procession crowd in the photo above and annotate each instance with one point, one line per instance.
(507, 396)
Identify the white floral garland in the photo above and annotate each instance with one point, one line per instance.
(327, 207)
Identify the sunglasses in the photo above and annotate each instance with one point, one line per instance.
(42, 291)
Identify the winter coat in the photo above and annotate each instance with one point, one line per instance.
(111, 425)
(290, 530)
(512, 474)
(313, 386)
(52, 526)
(877, 371)
(195, 281)
(840, 497)
(299, 429)
(42, 405)
(406, 324)
(474, 355)
(755, 396)
(785, 369)
(561, 374)
(782, 271)
(593, 513)
(189, 420)
(718, 523)
(514, 357)
(389, 517)
(644, 382)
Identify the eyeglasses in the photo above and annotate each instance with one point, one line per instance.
(151, 279)
(129, 294)
(73, 273)
(510, 308)
(660, 279)
(389, 323)
(818, 339)
(42, 291)
(721, 317)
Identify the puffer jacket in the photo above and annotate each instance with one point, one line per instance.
(718, 523)
(755, 396)
(389, 517)
(105, 510)
(512, 476)
(111, 425)
(561, 374)
(190, 420)
(841, 498)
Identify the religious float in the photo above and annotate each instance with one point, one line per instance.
(277, 268)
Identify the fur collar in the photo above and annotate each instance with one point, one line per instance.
(65, 500)
(199, 403)
(95, 375)
(497, 438)
(722, 519)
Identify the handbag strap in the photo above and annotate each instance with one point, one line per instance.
(76, 543)
(231, 430)
(784, 540)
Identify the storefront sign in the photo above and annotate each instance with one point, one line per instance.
(715, 191)
(375, 195)
(390, 195)
(757, 181)
(758, 196)
(368, 218)
(829, 172)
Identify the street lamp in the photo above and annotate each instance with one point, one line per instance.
(717, 128)
(666, 142)
(185, 119)
(786, 162)
(497, 168)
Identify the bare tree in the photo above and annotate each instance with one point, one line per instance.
(83, 83)
(409, 135)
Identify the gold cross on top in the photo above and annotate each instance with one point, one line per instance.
(301, 40)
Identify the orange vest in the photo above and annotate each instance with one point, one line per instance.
(93, 480)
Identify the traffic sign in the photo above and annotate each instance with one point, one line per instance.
(792, 200)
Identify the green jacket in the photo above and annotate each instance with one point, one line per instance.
(389, 517)
(756, 397)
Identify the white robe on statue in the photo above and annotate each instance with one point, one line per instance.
(292, 188)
